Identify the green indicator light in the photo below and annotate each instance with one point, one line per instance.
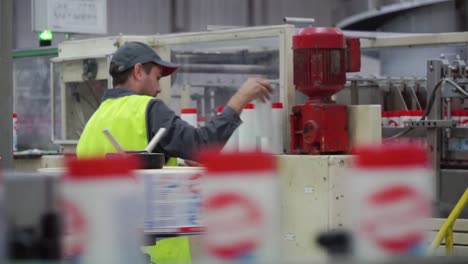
(46, 35)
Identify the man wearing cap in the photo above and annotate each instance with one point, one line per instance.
(133, 115)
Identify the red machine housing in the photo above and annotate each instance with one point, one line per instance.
(321, 58)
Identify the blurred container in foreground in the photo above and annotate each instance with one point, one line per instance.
(278, 127)
(32, 217)
(390, 196)
(101, 210)
(241, 206)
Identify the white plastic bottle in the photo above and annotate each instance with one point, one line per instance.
(389, 195)
(240, 193)
(247, 135)
(405, 118)
(189, 115)
(464, 123)
(278, 127)
(385, 117)
(103, 216)
(394, 119)
(454, 143)
(263, 126)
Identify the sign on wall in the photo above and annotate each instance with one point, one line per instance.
(70, 16)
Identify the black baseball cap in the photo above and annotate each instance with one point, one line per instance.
(132, 53)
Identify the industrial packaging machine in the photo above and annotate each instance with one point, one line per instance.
(398, 73)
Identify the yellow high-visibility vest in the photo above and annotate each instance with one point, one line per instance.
(125, 118)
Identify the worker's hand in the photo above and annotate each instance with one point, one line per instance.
(252, 89)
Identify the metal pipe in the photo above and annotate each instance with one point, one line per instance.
(299, 20)
(229, 68)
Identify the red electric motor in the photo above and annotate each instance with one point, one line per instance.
(321, 58)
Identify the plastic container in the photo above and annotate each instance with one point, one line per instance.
(232, 145)
(455, 143)
(263, 125)
(189, 115)
(247, 136)
(240, 203)
(456, 115)
(464, 124)
(463, 118)
(389, 195)
(394, 119)
(172, 200)
(15, 132)
(278, 128)
(417, 114)
(102, 212)
(405, 118)
(201, 121)
(385, 117)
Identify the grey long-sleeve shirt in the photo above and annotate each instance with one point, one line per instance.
(182, 140)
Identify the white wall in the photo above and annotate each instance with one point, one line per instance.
(127, 17)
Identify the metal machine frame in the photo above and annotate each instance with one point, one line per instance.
(104, 47)
(437, 129)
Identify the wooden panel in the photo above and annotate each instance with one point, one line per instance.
(304, 187)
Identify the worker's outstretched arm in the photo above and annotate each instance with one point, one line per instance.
(183, 140)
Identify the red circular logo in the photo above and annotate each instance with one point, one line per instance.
(393, 221)
(392, 123)
(75, 228)
(234, 224)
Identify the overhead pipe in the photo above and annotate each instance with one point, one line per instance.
(228, 68)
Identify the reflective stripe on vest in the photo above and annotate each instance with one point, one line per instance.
(124, 117)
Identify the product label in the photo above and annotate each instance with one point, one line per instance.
(172, 202)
